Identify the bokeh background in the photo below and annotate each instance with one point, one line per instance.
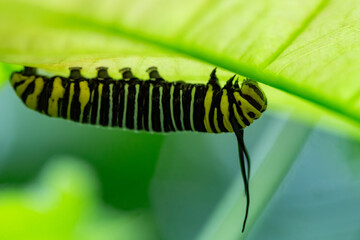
(63, 180)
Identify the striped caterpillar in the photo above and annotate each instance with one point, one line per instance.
(154, 105)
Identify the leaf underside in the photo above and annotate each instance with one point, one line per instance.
(309, 49)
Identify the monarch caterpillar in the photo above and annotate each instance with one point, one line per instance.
(153, 105)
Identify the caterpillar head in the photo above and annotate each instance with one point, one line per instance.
(251, 91)
(248, 101)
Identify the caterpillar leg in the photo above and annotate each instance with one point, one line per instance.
(154, 74)
(127, 74)
(214, 81)
(75, 72)
(236, 84)
(102, 72)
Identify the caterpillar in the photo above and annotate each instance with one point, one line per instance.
(153, 105)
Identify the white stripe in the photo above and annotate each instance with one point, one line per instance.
(192, 108)
(82, 113)
(81, 110)
(137, 86)
(81, 116)
(181, 112)
(161, 118)
(111, 86)
(172, 106)
(118, 107)
(150, 103)
(99, 105)
(125, 105)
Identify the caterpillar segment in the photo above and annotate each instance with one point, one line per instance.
(153, 105)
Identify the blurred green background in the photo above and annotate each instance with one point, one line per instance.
(63, 180)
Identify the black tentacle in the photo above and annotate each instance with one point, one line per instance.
(246, 155)
(214, 81)
(245, 166)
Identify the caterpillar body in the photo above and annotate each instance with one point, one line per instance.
(153, 105)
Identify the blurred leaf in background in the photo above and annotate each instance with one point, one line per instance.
(190, 183)
(63, 204)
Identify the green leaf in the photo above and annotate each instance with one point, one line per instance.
(63, 204)
(309, 49)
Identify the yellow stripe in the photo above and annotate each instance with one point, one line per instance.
(238, 118)
(57, 93)
(100, 90)
(249, 91)
(91, 109)
(247, 107)
(21, 88)
(71, 95)
(98, 114)
(32, 99)
(84, 96)
(207, 106)
(216, 121)
(17, 77)
(224, 106)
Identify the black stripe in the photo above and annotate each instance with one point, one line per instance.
(75, 103)
(42, 97)
(121, 102)
(176, 104)
(17, 84)
(94, 104)
(186, 105)
(167, 122)
(146, 94)
(65, 100)
(29, 90)
(105, 105)
(141, 104)
(116, 104)
(60, 101)
(155, 108)
(130, 104)
(86, 113)
(241, 113)
(215, 103)
(211, 116)
(220, 115)
(199, 108)
(256, 90)
(232, 100)
(252, 101)
(43, 103)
